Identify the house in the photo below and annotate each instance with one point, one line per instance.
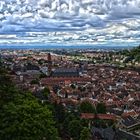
(128, 123)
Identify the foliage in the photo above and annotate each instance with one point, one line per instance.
(75, 129)
(87, 107)
(68, 118)
(46, 90)
(7, 91)
(22, 117)
(85, 134)
(46, 93)
(36, 81)
(101, 108)
(42, 75)
(85, 122)
(59, 112)
(0, 62)
(100, 123)
(132, 54)
(26, 121)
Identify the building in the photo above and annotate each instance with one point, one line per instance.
(49, 64)
(65, 72)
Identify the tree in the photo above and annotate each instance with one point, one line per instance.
(0, 61)
(7, 90)
(68, 118)
(22, 117)
(36, 81)
(46, 92)
(137, 58)
(26, 120)
(75, 129)
(85, 134)
(42, 75)
(87, 107)
(59, 112)
(73, 86)
(101, 108)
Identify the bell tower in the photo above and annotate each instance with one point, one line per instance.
(49, 64)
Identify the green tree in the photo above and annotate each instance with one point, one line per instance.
(137, 58)
(87, 107)
(0, 62)
(68, 118)
(7, 90)
(22, 117)
(36, 81)
(101, 108)
(85, 134)
(26, 120)
(59, 112)
(75, 129)
(46, 92)
(42, 75)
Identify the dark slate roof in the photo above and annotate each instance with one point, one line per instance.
(65, 72)
(17, 68)
(129, 121)
(115, 111)
(31, 67)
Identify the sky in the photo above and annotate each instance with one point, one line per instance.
(68, 22)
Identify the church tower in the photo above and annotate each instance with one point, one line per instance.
(49, 64)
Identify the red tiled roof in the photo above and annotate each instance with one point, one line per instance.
(87, 116)
(100, 116)
(126, 114)
(106, 116)
(52, 81)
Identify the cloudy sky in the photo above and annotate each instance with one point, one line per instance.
(91, 22)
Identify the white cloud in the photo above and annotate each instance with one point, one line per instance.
(81, 21)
